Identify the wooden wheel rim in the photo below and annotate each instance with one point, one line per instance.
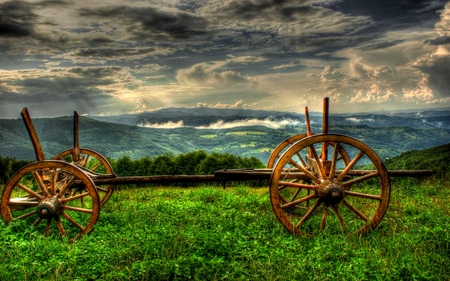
(68, 218)
(294, 223)
(278, 151)
(105, 191)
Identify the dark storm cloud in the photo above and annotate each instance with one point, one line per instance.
(327, 43)
(403, 12)
(380, 45)
(439, 40)
(109, 52)
(54, 96)
(95, 72)
(438, 70)
(279, 9)
(150, 23)
(16, 19)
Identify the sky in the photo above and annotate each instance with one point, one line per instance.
(116, 57)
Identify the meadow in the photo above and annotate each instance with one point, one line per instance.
(208, 233)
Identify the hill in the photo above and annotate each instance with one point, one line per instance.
(207, 117)
(242, 136)
(435, 158)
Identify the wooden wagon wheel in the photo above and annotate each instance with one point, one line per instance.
(93, 162)
(286, 144)
(42, 194)
(358, 199)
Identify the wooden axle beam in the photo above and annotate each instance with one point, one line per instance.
(240, 175)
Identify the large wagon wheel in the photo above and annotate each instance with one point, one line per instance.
(288, 143)
(93, 162)
(41, 194)
(358, 199)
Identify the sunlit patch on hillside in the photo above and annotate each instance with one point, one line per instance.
(243, 133)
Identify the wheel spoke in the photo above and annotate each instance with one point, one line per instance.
(318, 162)
(356, 211)
(65, 186)
(339, 216)
(31, 192)
(77, 209)
(284, 184)
(101, 189)
(298, 201)
(48, 226)
(54, 179)
(26, 215)
(96, 167)
(363, 195)
(359, 179)
(70, 219)
(86, 161)
(350, 166)
(333, 161)
(39, 180)
(306, 172)
(295, 194)
(81, 195)
(37, 221)
(308, 214)
(324, 217)
(301, 159)
(60, 226)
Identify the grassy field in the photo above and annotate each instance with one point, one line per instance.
(207, 233)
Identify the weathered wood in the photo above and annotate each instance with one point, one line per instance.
(241, 175)
(33, 135)
(155, 179)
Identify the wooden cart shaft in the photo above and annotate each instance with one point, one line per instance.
(239, 175)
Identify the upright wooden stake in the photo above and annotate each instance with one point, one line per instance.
(76, 143)
(308, 124)
(326, 102)
(32, 133)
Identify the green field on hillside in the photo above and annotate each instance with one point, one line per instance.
(208, 233)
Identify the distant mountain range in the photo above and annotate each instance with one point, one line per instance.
(236, 131)
(206, 117)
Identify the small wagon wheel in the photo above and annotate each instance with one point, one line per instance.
(93, 162)
(42, 194)
(358, 199)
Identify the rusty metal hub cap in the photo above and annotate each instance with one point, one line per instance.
(49, 207)
(330, 192)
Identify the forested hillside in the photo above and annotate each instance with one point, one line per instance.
(435, 158)
(381, 132)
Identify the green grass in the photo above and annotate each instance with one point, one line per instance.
(208, 233)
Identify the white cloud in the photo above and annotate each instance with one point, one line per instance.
(268, 122)
(359, 120)
(168, 125)
(443, 26)
(422, 93)
(208, 74)
(376, 94)
(330, 75)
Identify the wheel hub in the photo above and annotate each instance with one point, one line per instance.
(49, 207)
(330, 192)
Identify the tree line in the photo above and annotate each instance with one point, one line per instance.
(8, 166)
(192, 163)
